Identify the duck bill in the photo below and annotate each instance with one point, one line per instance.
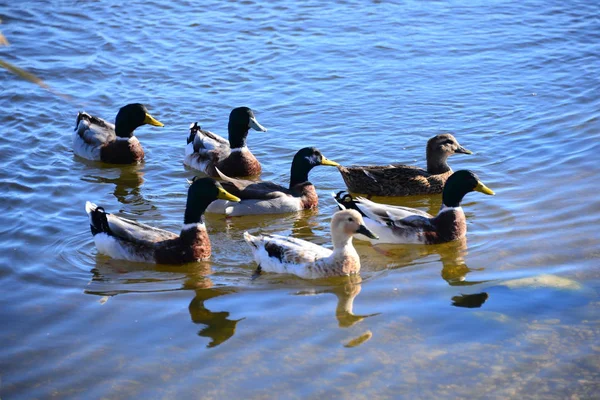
(484, 189)
(149, 119)
(225, 195)
(256, 126)
(363, 230)
(462, 150)
(325, 161)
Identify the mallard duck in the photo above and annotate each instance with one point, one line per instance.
(287, 255)
(99, 140)
(129, 240)
(406, 180)
(206, 151)
(271, 198)
(395, 224)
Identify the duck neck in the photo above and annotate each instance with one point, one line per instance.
(436, 162)
(124, 129)
(194, 210)
(342, 243)
(451, 198)
(299, 172)
(237, 135)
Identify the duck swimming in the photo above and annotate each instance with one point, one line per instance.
(98, 140)
(287, 255)
(207, 151)
(271, 198)
(125, 239)
(395, 224)
(406, 180)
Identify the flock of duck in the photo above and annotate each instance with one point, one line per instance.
(223, 191)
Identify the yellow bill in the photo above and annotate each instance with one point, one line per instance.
(151, 121)
(325, 161)
(483, 189)
(225, 195)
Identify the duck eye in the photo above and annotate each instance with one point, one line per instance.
(350, 219)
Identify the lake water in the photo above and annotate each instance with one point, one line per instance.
(518, 83)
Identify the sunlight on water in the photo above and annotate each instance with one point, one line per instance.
(509, 312)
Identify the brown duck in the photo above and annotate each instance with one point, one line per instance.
(406, 180)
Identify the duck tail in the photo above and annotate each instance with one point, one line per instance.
(253, 241)
(81, 115)
(98, 219)
(194, 129)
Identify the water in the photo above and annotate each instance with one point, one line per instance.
(365, 83)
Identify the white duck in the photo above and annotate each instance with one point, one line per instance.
(287, 255)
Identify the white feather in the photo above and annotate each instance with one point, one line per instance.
(85, 150)
(114, 248)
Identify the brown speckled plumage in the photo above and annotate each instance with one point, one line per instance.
(405, 180)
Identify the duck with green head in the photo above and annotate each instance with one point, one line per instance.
(206, 151)
(271, 198)
(406, 180)
(98, 140)
(396, 224)
(125, 239)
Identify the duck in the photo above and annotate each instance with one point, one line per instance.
(406, 180)
(288, 255)
(266, 197)
(98, 140)
(404, 225)
(125, 239)
(206, 151)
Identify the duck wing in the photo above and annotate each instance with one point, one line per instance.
(93, 130)
(204, 140)
(385, 173)
(247, 189)
(287, 250)
(385, 213)
(124, 228)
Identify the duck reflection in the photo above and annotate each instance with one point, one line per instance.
(454, 268)
(112, 277)
(219, 328)
(346, 290)
(127, 184)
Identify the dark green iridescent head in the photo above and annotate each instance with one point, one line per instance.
(241, 119)
(131, 117)
(305, 160)
(459, 184)
(201, 193)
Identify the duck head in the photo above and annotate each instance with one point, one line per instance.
(459, 184)
(131, 117)
(305, 160)
(241, 119)
(439, 148)
(345, 224)
(201, 193)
